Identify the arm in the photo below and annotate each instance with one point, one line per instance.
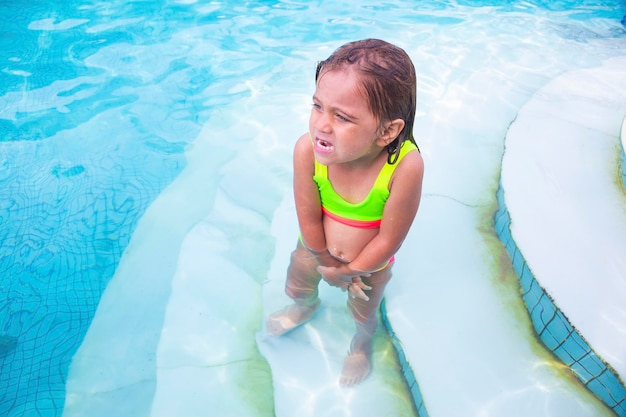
(306, 194)
(400, 210)
(307, 200)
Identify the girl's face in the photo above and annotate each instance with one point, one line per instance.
(342, 126)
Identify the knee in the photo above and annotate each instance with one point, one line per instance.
(302, 277)
(302, 261)
(299, 293)
(364, 315)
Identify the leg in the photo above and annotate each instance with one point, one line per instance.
(357, 364)
(301, 287)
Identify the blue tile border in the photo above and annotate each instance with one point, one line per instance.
(553, 327)
(623, 143)
(407, 371)
(623, 163)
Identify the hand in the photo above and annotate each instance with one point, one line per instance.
(346, 279)
(355, 289)
(327, 260)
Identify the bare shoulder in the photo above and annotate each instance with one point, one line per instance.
(410, 168)
(303, 152)
(405, 188)
(303, 146)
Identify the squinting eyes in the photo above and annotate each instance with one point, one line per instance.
(337, 115)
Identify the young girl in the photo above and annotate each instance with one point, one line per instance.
(357, 186)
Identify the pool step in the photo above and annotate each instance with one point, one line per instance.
(567, 227)
(306, 362)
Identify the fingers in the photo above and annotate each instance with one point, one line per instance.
(361, 295)
(362, 285)
(356, 291)
(336, 279)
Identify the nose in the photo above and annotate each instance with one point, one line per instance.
(322, 122)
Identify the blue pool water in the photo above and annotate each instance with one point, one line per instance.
(100, 100)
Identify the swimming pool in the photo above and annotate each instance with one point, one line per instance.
(144, 144)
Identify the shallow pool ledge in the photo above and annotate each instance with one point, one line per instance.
(306, 363)
(555, 330)
(405, 367)
(562, 221)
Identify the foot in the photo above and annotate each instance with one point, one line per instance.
(289, 318)
(356, 367)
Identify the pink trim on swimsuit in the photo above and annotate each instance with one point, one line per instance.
(361, 224)
(389, 262)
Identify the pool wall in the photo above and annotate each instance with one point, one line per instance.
(407, 371)
(554, 329)
(623, 161)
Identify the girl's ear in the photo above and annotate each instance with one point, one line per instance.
(390, 131)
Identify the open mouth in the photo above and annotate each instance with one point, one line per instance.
(324, 145)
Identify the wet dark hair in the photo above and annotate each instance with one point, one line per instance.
(388, 81)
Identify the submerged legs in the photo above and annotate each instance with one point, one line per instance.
(357, 365)
(301, 287)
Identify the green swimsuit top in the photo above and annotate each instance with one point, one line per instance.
(367, 213)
